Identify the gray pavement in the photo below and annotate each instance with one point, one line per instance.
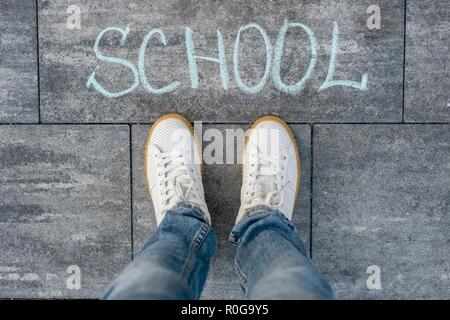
(375, 192)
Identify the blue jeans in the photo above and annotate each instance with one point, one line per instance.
(269, 257)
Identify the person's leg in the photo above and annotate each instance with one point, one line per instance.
(174, 262)
(272, 262)
(270, 257)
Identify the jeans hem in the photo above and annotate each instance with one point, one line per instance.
(195, 211)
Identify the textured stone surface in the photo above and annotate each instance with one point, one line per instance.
(18, 62)
(427, 61)
(381, 192)
(222, 184)
(64, 200)
(382, 197)
(68, 59)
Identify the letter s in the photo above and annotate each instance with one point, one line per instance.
(93, 82)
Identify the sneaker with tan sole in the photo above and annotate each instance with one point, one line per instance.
(271, 168)
(173, 160)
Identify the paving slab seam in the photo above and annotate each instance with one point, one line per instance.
(311, 194)
(131, 189)
(404, 63)
(37, 63)
(218, 123)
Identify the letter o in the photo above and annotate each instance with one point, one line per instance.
(279, 52)
(258, 87)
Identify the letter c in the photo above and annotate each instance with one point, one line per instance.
(141, 65)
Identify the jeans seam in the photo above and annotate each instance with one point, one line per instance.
(193, 250)
(242, 277)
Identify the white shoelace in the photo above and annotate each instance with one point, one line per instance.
(264, 182)
(174, 180)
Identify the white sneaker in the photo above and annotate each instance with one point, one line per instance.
(173, 161)
(271, 168)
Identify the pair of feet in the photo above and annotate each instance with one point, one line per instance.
(173, 166)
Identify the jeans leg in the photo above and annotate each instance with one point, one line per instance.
(174, 262)
(272, 262)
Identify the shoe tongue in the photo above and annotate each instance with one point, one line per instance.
(262, 189)
(265, 188)
(180, 190)
(266, 195)
(181, 187)
(266, 184)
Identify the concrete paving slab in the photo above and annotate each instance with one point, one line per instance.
(427, 76)
(18, 62)
(64, 209)
(116, 92)
(381, 192)
(222, 184)
(381, 199)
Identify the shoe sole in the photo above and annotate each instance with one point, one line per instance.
(157, 121)
(291, 137)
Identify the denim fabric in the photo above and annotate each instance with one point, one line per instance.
(272, 262)
(173, 263)
(269, 257)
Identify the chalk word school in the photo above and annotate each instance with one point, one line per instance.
(272, 66)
